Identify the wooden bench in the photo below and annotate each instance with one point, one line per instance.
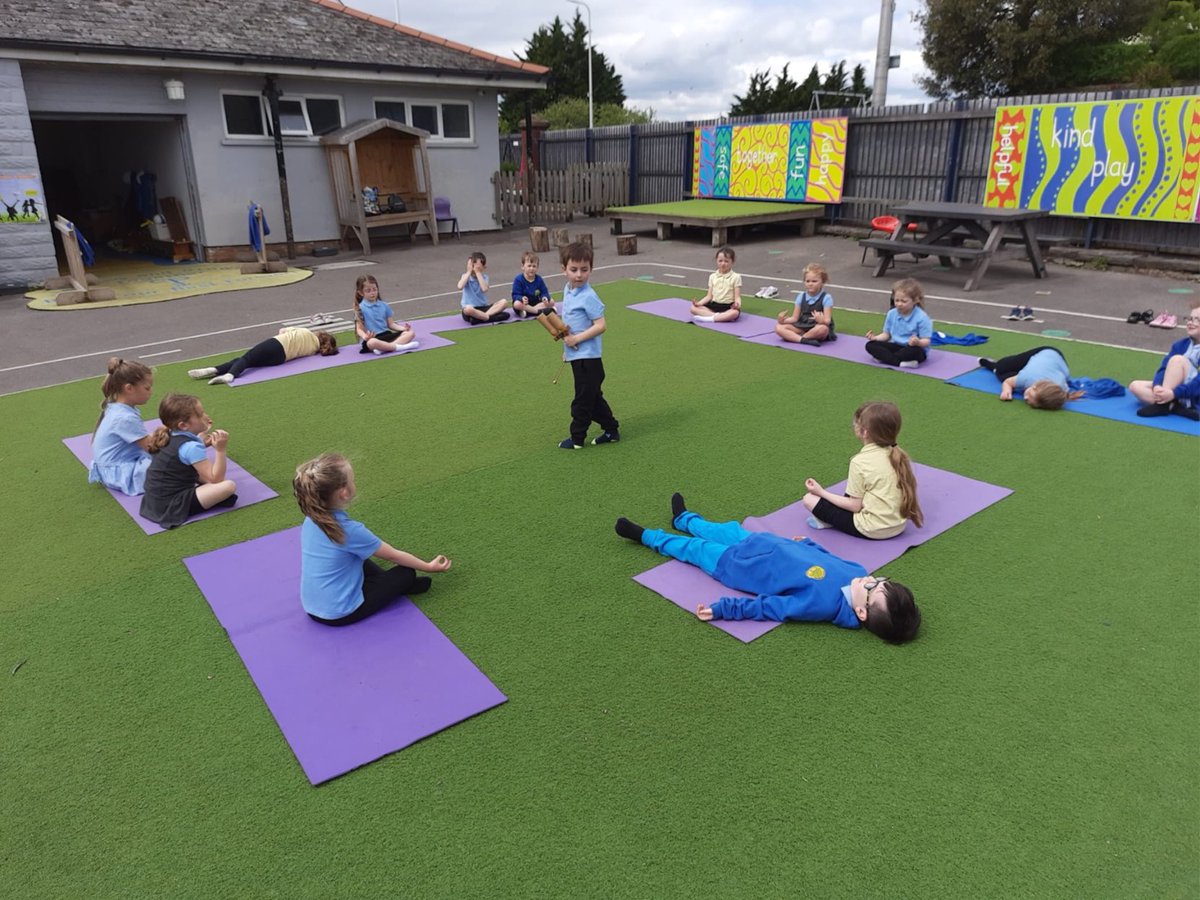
(890, 248)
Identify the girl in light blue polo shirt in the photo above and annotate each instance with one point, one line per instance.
(339, 584)
(907, 330)
(1040, 375)
(120, 443)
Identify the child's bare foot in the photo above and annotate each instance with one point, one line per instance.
(704, 613)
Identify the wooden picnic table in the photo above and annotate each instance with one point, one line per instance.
(948, 225)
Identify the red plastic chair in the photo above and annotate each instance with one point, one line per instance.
(888, 225)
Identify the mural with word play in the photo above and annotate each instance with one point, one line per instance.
(1118, 159)
(801, 162)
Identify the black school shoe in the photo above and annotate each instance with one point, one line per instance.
(609, 437)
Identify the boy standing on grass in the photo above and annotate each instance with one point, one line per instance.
(584, 315)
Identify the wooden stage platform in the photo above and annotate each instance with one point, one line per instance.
(720, 215)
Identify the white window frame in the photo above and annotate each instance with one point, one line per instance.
(440, 137)
(265, 133)
(375, 101)
(265, 108)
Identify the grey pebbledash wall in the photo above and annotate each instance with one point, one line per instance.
(26, 251)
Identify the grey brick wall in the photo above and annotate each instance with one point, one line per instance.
(26, 251)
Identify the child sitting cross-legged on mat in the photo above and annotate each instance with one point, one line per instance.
(373, 322)
(182, 482)
(907, 330)
(1176, 385)
(881, 490)
(120, 444)
(797, 580)
(723, 302)
(474, 286)
(339, 584)
(530, 296)
(811, 319)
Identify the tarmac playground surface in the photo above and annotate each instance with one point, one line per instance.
(51, 347)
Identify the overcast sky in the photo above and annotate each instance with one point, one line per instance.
(687, 58)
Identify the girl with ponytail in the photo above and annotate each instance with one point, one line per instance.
(120, 443)
(339, 584)
(881, 491)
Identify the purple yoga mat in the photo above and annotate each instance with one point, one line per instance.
(342, 696)
(249, 489)
(852, 348)
(745, 326)
(946, 499)
(345, 356)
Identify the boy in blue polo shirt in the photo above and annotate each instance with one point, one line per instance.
(907, 330)
(474, 286)
(796, 580)
(583, 313)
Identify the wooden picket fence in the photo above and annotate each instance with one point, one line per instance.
(559, 195)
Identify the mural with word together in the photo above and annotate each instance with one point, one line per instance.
(800, 162)
(1119, 159)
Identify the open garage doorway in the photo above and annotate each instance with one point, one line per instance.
(127, 182)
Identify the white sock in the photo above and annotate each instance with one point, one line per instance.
(206, 372)
(411, 345)
(909, 364)
(705, 318)
(227, 378)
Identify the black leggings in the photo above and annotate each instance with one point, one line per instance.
(1008, 366)
(840, 519)
(264, 353)
(380, 587)
(893, 354)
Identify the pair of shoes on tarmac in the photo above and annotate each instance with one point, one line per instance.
(608, 437)
(1020, 315)
(769, 292)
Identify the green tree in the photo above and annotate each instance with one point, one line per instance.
(997, 48)
(572, 112)
(785, 95)
(565, 53)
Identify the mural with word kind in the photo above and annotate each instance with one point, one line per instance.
(801, 162)
(1120, 159)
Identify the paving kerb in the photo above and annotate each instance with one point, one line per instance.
(50, 347)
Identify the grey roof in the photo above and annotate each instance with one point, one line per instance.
(250, 30)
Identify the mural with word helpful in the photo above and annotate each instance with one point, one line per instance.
(1120, 159)
(800, 162)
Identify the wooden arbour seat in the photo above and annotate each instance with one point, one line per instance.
(390, 157)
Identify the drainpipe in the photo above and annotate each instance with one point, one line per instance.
(271, 92)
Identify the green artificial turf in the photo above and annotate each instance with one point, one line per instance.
(1038, 739)
(713, 208)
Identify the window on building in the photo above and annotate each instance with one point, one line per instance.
(247, 115)
(391, 109)
(244, 115)
(445, 122)
(426, 116)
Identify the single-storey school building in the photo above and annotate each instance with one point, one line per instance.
(106, 105)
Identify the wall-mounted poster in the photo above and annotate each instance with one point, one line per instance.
(800, 162)
(22, 198)
(1121, 159)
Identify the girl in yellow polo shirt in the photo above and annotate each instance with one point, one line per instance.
(881, 490)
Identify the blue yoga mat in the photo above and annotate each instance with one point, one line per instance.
(1121, 409)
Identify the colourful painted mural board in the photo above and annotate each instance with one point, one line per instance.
(802, 161)
(1120, 159)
